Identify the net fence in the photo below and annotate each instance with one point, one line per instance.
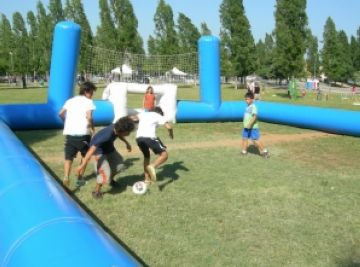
(104, 65)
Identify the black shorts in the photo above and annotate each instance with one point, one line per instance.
(146, 143)
(75, 144)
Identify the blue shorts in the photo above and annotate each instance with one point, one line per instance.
(253, 134)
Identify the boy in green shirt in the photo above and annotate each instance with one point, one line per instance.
(251, 127)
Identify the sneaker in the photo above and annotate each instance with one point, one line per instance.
(66, 182)
(113, 183)
(265, 155)
(147, 182)
(152, 172)
(97, 195)
(80, 182)
(243, 153)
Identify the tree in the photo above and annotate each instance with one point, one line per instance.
(6, 46)
(106, 34)
(165, 39)
(312, 55)
(44, 37)
(204, 29)
(187, 33)
(290, 37)
(151, 45)
(34, 43)
(21, 53)
(56, 11)
(265, 54)
(346, 67)
(69, 11)
(76, 10)
(238, 47)
(331, 52)
(128, 38)
(355, 53)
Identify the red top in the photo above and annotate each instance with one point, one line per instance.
(149, 101)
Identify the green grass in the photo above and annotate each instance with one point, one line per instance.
(217, 208)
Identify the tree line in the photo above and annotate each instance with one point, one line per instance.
(289, 51)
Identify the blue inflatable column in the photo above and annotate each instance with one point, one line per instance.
(65, 51)
(42, 226)
(209, 70)
(210, 94)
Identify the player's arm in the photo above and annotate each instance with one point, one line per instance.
(89, 118)
(86, 159)
(62, 113)
(168, 126)
(252, 121)
(128, 146)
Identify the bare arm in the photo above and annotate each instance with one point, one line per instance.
(252, 121)
(168, 126)
(89, 118)
(86, 159)
(128, 146)
(62, 114)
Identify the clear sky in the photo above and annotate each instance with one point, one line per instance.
(260, 13)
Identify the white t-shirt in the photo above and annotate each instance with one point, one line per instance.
(76, 122)
(148, 121)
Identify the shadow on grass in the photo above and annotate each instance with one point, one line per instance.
(88, 211)
(169, 174)
(252, 149)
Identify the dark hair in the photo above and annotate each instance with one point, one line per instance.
(87, 87)
(249, 95)
(124, 125)
(159, 110)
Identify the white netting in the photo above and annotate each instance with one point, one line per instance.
(110, 65)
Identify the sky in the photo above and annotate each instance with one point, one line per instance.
(260, 13)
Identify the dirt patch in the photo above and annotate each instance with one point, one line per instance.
(268, 139)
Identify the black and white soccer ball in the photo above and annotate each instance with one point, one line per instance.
(139, 188)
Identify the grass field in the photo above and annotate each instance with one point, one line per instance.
(214, 207)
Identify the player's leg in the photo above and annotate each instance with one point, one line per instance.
(103, 171)
(144, 148)
(245, 141)
(255, 136)
(116, 163)
(160, 150)
(70, 153)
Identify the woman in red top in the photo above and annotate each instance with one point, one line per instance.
(149, 99)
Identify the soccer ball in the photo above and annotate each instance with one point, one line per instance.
(139, 188)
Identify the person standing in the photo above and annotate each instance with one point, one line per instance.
(78, 128)
(251, 128)
(149, 99)
(146, 139)
(107, 160)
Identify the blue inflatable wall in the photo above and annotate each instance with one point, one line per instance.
(40, 225)
(210, 108)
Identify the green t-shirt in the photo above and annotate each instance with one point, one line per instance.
(250, 111)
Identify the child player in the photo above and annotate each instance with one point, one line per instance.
(107, 160)
(251, 128)
(146, 139)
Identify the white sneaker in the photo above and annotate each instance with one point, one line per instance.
(152, 172)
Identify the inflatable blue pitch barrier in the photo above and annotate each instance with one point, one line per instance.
(40, 224)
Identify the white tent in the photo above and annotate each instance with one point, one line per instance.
(116, 70)
(176, 71)
(126, 69)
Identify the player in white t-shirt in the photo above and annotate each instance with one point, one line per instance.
(146, 139)
(78, 127)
